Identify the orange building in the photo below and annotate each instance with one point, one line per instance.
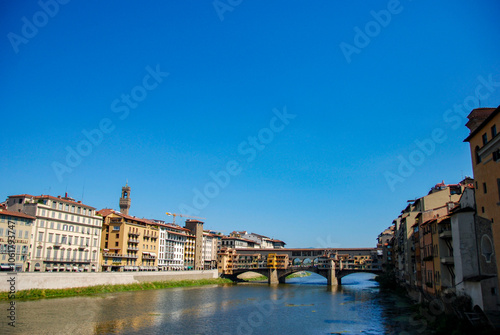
(128, 243)
(484, 140)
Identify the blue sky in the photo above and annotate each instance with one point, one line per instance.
(179, 91)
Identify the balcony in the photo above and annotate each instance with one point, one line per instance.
(57, 245)
(445, 234)
(133, 240)
(132, 248)
(137, 234)
(447, 260)
(109, 254)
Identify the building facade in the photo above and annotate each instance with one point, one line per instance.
(66, 233)
(172, 247)
(128, 243)
(16, 230)
(484, 141)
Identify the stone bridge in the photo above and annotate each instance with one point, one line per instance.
(275, 276)
(335, 264)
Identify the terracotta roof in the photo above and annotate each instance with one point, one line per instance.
(177, 233)
(17, 214)
(106, 211)
(62, 200)
(482, 124)
(22, 195)
(310, 249)
(239, 238)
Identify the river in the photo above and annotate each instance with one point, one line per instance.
(302, 306)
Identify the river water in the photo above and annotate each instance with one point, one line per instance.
(302, 306)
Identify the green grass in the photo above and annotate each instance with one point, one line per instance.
(299, 275)
(293, 275)
(35, 294)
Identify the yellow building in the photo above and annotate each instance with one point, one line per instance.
(189, 251)
(16, 231)
(484, 140)
(128, 243)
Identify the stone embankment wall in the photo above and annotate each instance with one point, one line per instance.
(57, 280)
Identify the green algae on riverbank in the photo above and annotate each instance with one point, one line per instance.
(35, 294)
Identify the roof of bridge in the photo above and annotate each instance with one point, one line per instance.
(306, 249)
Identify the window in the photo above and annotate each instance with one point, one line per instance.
(50, 237)
(498, 185)
(493, 130)
(70, 240)
(484, 188)
(67, 207)
(64, 239)
(65, 227)
(60, 206)
(54, 204)
(48, 253)
(478, 158)
(485, 138)
(1, 231)
(57, 238)
(26, 234)
(72, 209)
(71, 228)
(38, 252)
(117, 235)
(40, 236)
(116, 244)
(41, 223)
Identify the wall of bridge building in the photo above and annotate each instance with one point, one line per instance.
(363, 258)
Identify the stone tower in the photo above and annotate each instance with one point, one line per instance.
(125, 199)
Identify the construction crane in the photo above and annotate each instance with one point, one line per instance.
(183, 216)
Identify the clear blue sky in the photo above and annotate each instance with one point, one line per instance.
(361, 91)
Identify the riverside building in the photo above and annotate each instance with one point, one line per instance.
(19, 226)
(171, 246)
(128, 243)
(66, 233)
(484, 140)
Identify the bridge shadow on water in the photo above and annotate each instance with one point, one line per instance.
(354, 281)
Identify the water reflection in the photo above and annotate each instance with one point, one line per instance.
(305, 306)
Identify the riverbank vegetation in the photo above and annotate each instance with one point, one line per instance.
(293, 275)
(35, 294)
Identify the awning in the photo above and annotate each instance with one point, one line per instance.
(152, 254)
(145, 253)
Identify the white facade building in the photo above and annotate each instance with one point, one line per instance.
(66, 235)
(171, 249)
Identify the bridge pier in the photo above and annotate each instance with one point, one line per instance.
(272, 279)
(332, 279)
